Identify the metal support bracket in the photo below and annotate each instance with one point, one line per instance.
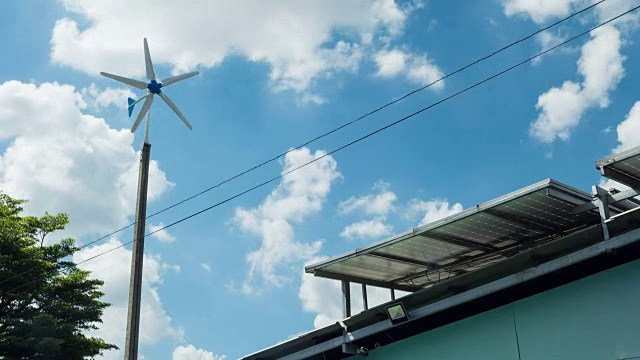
(347, 346)
(346, 299)
(623, 200)
(365, 301)
(602, 198)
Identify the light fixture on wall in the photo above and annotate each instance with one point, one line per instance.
(397, 313)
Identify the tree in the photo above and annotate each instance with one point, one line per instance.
(46, 302)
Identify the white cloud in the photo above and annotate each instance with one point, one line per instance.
(190, 352)
(114, 270)
(629, 130)
(561, 108)
(162, 235)
(431, 210)
(324, 298)
(419, 69)
(423, 71)
(206, 267)
(64, 160)
(301, 41)
(367, 229)
(98, 98)
(299, 194)
(539, 10)
(390, 63)
(379, 203)
(547, 39)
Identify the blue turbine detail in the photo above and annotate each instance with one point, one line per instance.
(131, 105)
(154, 87)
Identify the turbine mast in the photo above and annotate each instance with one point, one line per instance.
(154, 87)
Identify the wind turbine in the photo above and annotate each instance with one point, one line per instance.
(153, 88)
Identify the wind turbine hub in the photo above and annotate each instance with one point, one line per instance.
(154, 87)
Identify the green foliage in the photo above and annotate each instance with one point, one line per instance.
(46, 302)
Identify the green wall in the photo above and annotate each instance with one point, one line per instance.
(597, 317)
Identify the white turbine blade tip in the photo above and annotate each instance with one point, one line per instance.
(147, 61)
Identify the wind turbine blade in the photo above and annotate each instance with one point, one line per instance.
(151, 75)
(175, 109)
(174, 79)
(135, 83)
(143, 112)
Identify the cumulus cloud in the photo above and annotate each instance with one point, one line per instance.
(367, 229)
(629, 130)
(98, 98)
(299, 194)
(190, 352)
(391, 63)
(379, 203)
(431, 210)
(323, 297)
(300, 41)
(114, 270)
(539, 10)
(600, 65)
(65, 160)
(419, 69)
(562, 108)
(162, 235)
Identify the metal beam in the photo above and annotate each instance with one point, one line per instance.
(365, 302)
(460, 242)
(403, 259)
(619, 176)
(603, 208)
(361, 280)
(612, 199)
(527, 223)
(346, 299)
(566, 196)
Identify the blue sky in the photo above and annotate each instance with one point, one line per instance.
(273, 75)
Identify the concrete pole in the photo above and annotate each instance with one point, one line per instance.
(135, 284)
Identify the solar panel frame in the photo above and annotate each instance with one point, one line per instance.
(468, 240)
(623, 167)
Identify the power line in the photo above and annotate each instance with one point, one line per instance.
(362, 137)
(354, 120)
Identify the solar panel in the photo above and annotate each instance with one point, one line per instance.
(466, 241)
(623, 167)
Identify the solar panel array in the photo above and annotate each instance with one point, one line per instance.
(466, 241)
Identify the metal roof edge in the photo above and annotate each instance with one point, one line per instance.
(617, 157)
